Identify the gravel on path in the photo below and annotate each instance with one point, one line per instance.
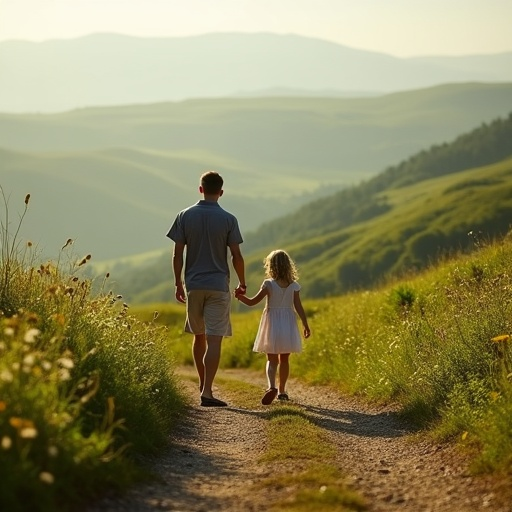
(213, 462)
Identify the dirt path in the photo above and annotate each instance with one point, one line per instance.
(214, 461)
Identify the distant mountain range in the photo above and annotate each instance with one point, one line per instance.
(106, 69)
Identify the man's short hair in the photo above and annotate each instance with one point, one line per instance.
(212, 182)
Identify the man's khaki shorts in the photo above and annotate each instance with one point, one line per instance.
(208, 312)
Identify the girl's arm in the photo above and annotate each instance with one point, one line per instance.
(297, 304)
(252, 301)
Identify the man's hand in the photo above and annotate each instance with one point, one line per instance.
(241, 289)
(180, 293)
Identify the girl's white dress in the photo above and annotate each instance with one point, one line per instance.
(278, 332)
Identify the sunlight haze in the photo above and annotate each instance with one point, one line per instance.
(398, 27)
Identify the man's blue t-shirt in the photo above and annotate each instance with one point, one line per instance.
(207, 230)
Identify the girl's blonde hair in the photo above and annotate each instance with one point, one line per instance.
(279, 266)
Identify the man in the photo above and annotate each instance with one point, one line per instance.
(207, 230)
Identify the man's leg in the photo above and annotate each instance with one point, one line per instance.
(198, 352)
(211, 363)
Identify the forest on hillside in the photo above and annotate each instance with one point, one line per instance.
(487, 144)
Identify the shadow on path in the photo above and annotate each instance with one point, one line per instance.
(382, 424)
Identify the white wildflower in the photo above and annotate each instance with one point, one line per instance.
(31, 335)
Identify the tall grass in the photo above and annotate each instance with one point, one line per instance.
(438, 344)
(85, 388)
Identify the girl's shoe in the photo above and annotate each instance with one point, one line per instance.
(282, 396)
(269, 396)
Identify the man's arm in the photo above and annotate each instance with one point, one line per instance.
(177, 267)
(239, 265)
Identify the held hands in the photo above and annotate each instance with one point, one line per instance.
(241, 289)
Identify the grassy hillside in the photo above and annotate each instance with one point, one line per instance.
(332, 135)
(486, 144)
(112, 177)
(357, 237)
(423, 223)
(118, 202)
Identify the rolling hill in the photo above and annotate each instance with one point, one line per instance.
(112, 178)
(108, 69)
(444, 199)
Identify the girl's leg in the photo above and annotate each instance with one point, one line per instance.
(284, 371)
(271, 392)
(272, 363)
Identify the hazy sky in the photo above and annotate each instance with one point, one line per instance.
(398, 27)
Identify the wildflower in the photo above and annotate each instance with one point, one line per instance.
(6, 442)
(46, 477)
(29, 244)
(64, 374)
(503, 338)
(53, 289)
(66, 362)
(68, 242)
(20, 423)
(27, 199)
(84, 260)
(9, 331)
(31, 335)
(59, 318)
(28, 433)
(6, 376)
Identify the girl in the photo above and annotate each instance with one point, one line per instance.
(278, 334)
